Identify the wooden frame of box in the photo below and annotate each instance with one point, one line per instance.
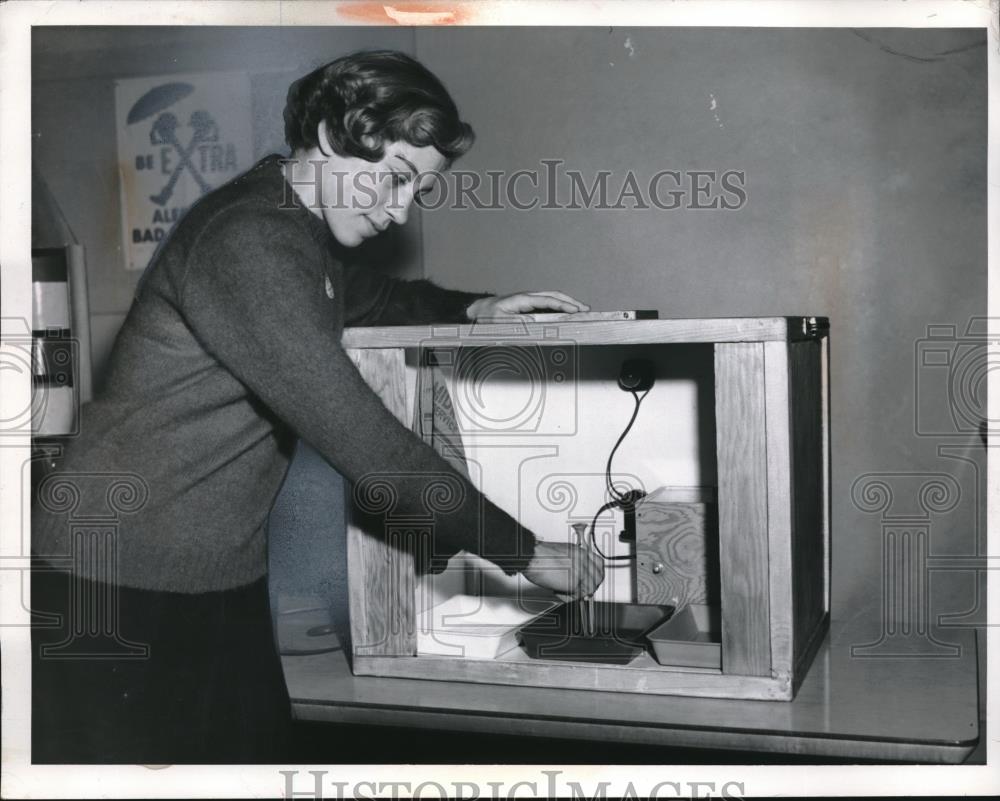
(773, 505)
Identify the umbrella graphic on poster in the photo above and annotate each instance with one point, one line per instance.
(177, 140)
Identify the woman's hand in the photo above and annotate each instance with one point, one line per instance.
(522, 303)
(565, 569)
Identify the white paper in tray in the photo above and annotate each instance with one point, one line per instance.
(474, 627)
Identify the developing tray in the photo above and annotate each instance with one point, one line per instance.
(691, 638)
(617, 636)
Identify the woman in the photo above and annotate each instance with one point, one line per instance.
(230, 352)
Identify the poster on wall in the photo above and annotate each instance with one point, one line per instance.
(179, 136)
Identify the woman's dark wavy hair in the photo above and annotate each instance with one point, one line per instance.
(382, 94)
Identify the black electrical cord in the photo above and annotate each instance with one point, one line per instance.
(625, 500)
(607, 470)
(593, 536)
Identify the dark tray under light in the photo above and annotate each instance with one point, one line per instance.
(618, 636)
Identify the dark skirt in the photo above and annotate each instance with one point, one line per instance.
(154, 677)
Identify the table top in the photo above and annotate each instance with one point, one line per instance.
(913, 709)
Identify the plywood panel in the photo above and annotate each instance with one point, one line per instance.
(677, 559)
(381, 583)
(779, 505)
(643, 675)
(743, 533)
(809, 497)
(434, 423)
(824, 346)
(522, 332)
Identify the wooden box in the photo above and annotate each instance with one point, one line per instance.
(765, 539)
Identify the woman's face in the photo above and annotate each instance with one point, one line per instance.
(360, 199)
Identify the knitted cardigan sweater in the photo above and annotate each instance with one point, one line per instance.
(229, 352)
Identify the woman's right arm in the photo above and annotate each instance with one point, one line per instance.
(253, 294)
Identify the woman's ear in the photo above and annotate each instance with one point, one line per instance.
(322, 140)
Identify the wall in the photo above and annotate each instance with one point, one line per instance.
(864, 156)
